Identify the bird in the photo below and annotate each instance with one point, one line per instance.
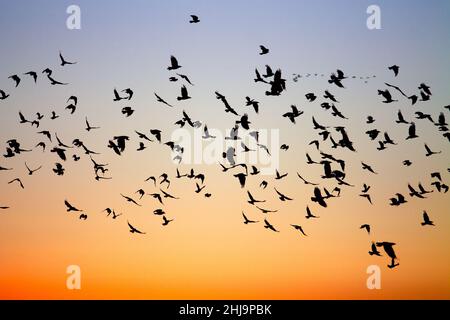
(194, 19)
(266, 210)
(199, 188)
(241, 177)
(318, 197)
(173, 64)
(400, 118)
(30, 172)
(387, 96)
(429, 152)
(18, 181)
(309, 215)
(63, 61)
(253, 103)
(129, 92)
(426, 220)
(367, 167)
(127, 111)
(184, 94)
(185, 77)
(15, 78)
(279, 176)
(282, 197)
(32, 74)
(246, 220)
(395, 69)
(252, 200)
(133, 229)
(264, 50)
(3, 95)
(267, 225)
(166, 221)
(88, 126)
(374, 251)
(367, 227)
(71, 207)
(388, 248)
(71, 107)
(299, 228)
(258, 77)
(412, 132)
(117, 97)
(130, 200)
(293, 114)
(228, 108)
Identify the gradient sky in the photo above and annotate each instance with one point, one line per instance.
(207, 252)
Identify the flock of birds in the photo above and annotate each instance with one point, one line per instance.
(274, 85)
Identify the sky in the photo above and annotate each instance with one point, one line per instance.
(207, 252)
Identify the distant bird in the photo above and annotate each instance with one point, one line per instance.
(88, 126)
(264, 50)
(166, 221)
(282, 197)
(370, 120)
(129, 92)
(395, 69)
(184, 94)
(252, 200)
(412, 132)
(429, 152)
(3, 95)
(71, 207)
(309, 214)
(407, 163)
(130, 200)
(367, 227)
(63, 61)
(318, 197)
(400, 118)
(299, 228)
(387, 96)
(127, 111)
(293, 114)
(133, 229)
(388, 248)
(18, 181)
(194, 19)
(117, 97)
(242, 177)
(253, 103)
(267, 225)
(185, 78)
(426, 220)
(32, 74)
(266, 210)
(15, 78)
(173, 64)
(367, 167)
(246, 220)
(374, 251)
(30, 172)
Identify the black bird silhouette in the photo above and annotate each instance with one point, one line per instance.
(130, 200)
(269, 72)
(309, 214)
(185, 77)
(426, 220)
(117, 97)
(71, 207)
(32, 74)
(429, 152)
(294, 114)
(18, 181)
(282, 197)
(59, 170)
(374, 251)
(252, 200)
(127, 111)
(267, 225)
(365, 226)
(299, 228)
(367, 167)
(264, 50)
(387, 96)
(370, 120)
(30, 172)
(194, 19)
(129, 92)
(63, 61)
(166, 221)
(318, 197)
(173, 64)
(246, 220)
(184, 94)
(388, 248)
(253, 103)
(266, 210)
(258, 77)
(3, 95)
(407, 163)
(88, 126)
(133, 229)
(412, 132)
(15, 78)
(71, 107)
(395, 69)
(400, 118)
(337, 78)
(400, 199)
(228, 108)
(60, 152)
